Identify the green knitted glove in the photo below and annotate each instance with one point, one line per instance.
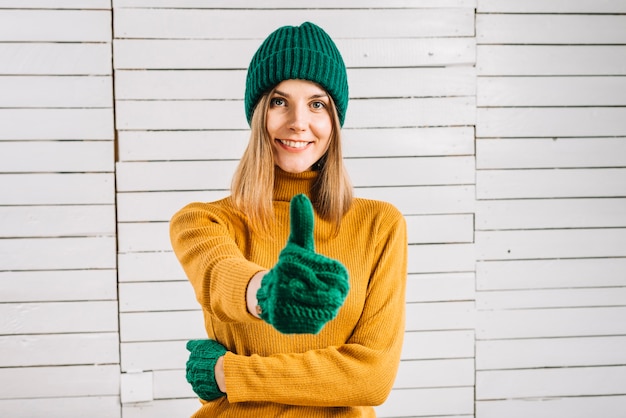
(304, 290)
(201, 368)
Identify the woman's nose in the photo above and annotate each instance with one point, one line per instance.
(298, 118)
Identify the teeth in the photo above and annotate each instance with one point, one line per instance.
(294, 144)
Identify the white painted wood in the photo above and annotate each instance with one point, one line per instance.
(159, 296)
(35, 382)
(538, 323)
(57, 253)
(424, 402)
(440, 229)
(502, 60)
(440, 258)
(136, 387)
(550, 29)
(552, 6)
(59, 349)
(147, 267)
(55, 25)
(58, 317)
(378, 172)
(55, 58)
(550, 183)
(53, 91)
(551, 91)
(57, 221)
(551, 298)
(435, 373)
(233, 24)
(160, 206)
(583, 407)
(163, 408)
(440, 287)
(56, 124)
(92, 406)
(438, 345)
(57, 4)
(585, 381)
(546, 274)
(170, 384)
(153, 355)
(58, 285)
(550, 153)
(550, 352)
(550, 122)
(439, 316)
(161, 326)
(557, 243)
(286, 4)
(235, 53)
(550, 213)
(57, 156)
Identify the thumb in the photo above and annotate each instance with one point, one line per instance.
(301, 220)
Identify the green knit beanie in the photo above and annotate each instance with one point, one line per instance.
(303, 52)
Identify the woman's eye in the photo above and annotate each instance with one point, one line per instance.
(277, 101)
(318, 105)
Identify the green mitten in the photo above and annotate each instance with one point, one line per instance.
(201, 368)
(304, 290)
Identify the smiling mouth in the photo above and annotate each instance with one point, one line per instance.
(294, 144)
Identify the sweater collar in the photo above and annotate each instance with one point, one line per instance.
(287, 185)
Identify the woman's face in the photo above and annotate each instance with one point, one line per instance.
(299, 124)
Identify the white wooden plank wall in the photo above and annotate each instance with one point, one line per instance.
(551, 209)
(180, 75)
(59, 343)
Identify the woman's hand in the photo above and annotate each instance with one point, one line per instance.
(253, 287)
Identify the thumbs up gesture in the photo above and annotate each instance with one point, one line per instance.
(304, 290)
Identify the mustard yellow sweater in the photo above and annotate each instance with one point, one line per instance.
(351, 364)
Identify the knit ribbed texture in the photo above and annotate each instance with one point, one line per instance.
(201, 368)
(352, 361)
(304, 290)
(303, 52)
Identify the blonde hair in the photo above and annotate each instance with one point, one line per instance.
(252, 186)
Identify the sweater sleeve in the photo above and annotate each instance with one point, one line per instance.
(360, 372)
(215, 266)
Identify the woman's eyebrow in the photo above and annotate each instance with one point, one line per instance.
(314, 96)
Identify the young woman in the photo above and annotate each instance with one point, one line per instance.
(303, 307)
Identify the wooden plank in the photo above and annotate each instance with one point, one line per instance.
(161, 326)
(550, 153)
(236, 54)
(552, 6)
(161, 408)
(440, 229)
(286, 4)
(146, 267)
(160, 206)
(545, 183)
(55, 25)
(57, 221)
(58, 317)
(432, 199)
(440, 287)
(153, 355)
(555, 243)
(162, 176)
(383, 172)
(550, 29)
(546, 274)
(501, 60)
(441, 258)
(439, 316)
(58, 4)
(551, 298)
(169, 384)
(435, 374)
(423, 402)
(582, 407)
(34, 382)
(53, 91)
(251, 24)
(58, 285)
(91, 406)
(550, 213)
(545, 323)
(56, 124)
(438, 345)
(551, 91)
(57, 253)
(158, 296)
(51, 189)
(59, 350)
(550, 352)
(55, 58)
(57, 156)
(550, 122)
(144, 237)
(585, 381)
